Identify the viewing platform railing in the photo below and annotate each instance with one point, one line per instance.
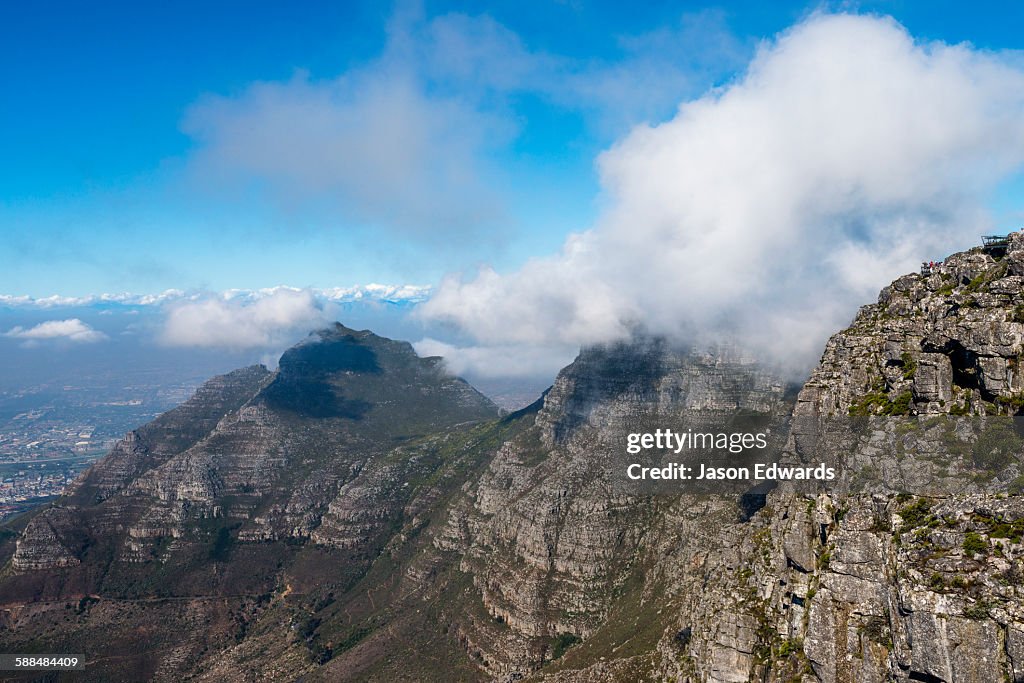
(996, 245)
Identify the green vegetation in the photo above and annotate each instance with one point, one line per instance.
(767, 641)
(978, 611)
(922, 535)
(901, 404)
(879, 403)
(1018, 314)
(562, 643)
(1014, 402)
(917, 514)
(909, 365)
(633, 628)
(981, 281)
(975, 543)
(824, 560)
(960, 409)
(353, 638)
(975, 283)
(868, 404)
(999, 528)
(790, 646)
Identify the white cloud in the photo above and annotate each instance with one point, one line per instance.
(58, 301)
(499, 361)
(768, 210)
(230, 322)
(393, 294)
(410, 141)
(373, 144)
(73, 330)
(646, 78)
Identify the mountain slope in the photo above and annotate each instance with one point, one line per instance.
(219, 498)
(532, 549)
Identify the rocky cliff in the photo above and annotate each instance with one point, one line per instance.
(909, 569)
(948, 342)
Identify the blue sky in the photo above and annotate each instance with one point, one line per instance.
(105, 187)
(530, 177)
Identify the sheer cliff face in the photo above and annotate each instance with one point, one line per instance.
(874, 586)
(359, 515)
(170, 434)
(922, 587)
(552, 548)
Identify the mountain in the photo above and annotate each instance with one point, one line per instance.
(361, 515)
(168, 545)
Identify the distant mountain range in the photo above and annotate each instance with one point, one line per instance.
(372, 292)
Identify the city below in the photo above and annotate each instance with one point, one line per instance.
(51, 434)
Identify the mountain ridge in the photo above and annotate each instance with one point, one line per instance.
(371, 518)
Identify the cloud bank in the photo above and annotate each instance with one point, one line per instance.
(240, 323)
(498, 361)
(372, 145)
(238, 319)
(73, 330)
(769, 209)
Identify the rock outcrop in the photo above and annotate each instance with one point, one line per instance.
(946, 342)
(545, 535)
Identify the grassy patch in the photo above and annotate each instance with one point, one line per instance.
(978, 611)
(960, 409)
(999, 528)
